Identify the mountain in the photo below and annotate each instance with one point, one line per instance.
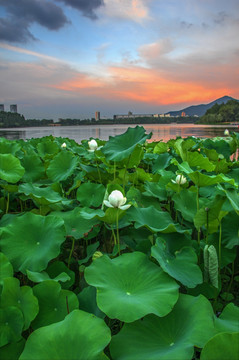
(200, 110)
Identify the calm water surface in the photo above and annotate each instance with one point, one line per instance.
(78, 133)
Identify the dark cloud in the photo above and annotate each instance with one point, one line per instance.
(87, 7)
(14, 30)
(20, 15)
(221, 17)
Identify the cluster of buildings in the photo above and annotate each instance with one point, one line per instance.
(13, 108)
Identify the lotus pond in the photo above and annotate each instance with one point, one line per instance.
(123, 249)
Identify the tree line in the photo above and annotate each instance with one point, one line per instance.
(223, 113)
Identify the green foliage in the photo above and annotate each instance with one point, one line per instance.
(75, 272)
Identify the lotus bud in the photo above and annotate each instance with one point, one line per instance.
(180, 180)
(226, 132)
(92, 145)
(116, 200)
(97, 255)
(63, 145)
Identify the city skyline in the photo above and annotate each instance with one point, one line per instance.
(67, 58)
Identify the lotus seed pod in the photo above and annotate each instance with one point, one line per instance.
(97, 255)
(213, 266)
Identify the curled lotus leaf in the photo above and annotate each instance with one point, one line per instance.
(122, 146)
(131, 286)
(30, 241)
(79, 336)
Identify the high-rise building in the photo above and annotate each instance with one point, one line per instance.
(97, 115)
(13, 108)
(1, 107)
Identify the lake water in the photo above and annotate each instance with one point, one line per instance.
(160, 132)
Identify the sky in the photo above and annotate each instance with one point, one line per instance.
(70, 58)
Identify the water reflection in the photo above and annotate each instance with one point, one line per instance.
(78, 133)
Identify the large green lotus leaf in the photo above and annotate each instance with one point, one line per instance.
(9, 146)
(43, 196)
(199, 161)
(12, 351)
(30, 241)
(162, 162)
(221, 146)
(54, 303)
(171, 337)
(38, 277)
(87, 301)
(59, 267)
(155, 190)
(222, 346)
(34, 168)
(20, 297)
(233, 197)
(160, 148)
(230, 230)
(186, 203)
(78, 222)
(200, 179)
(153, 219)
(47, 148)
(6, 268)
(11, 325)
(91, 194)
(228, 321)
(131, 286)
(121, 146)
(62, 166)
(80, 336)
(11, 169)
(182, 267)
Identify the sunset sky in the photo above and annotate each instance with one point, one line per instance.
(69, 58)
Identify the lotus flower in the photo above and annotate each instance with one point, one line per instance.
(63, 145)
(180, 180)
(226, 132)
(116, 200)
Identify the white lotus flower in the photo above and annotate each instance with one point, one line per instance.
(63, 145)
(116, 200)
(180, 180)
(92, 145)
(226, 132)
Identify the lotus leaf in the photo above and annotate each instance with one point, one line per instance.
(30, 241)
(155, 190)
(9, 147)
(221, 346)
(74, 338)
(153, 219)
(182, 267)
(54, 303)
(131, 286)
(228, 321)
(20, 297)
(11, 169)
(62, 166)
(87, 301)
(195, 159)
(230, 230)
(186, 203)
(34, 168)
(47, 148)
(12, 350)
(6, 268)
(42, 196)
(121, 146)
(174, 336)
(91, 194)
(57, 268)
(11, 325)
(42, 276)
